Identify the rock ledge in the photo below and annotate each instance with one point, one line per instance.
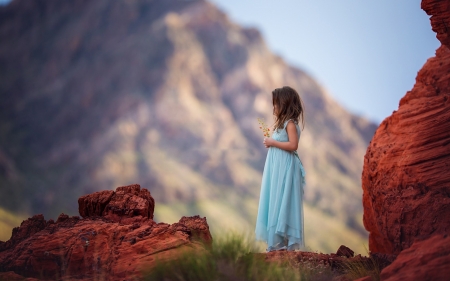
(116, 237)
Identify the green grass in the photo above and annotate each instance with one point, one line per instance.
(233, 258)
(362, 268)
(230, 258)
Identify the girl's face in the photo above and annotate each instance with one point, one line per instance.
(275, 109)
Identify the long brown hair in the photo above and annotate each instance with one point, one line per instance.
(290, 106)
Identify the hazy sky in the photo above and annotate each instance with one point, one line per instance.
(365, 53)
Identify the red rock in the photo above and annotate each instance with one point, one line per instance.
(93, 204)
(126, 202)
(130, 201)
(424, 260)
(406, 175)
(334, 261)
(345, 252)
(340, 278)
(367, 278)
(11, 276)
(119, 244)
(330, 266)
(440, 18)
(198, 228)
(27, 228)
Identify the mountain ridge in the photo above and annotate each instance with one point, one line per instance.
(161, 93)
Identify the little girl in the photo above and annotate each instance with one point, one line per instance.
(280, 211)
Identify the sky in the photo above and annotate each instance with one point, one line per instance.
(365, 53)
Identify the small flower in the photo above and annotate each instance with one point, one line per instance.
(265, 129)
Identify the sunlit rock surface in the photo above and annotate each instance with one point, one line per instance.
(100, 245)
(406, 179)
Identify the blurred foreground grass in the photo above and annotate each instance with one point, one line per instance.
(232, 257)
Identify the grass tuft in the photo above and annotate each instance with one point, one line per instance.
(361, 268)
(231, 258)
(235, 257)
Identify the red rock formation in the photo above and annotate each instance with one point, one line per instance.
(26, 229)
(338, 264)
(406, 179)
(333, 261)
(11, 276)
(127, 202)
(94, 204)
(440, 18)
(367, 278)
(345, 251)
(116, 239)
(424, 260)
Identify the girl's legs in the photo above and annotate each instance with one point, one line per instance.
(278, 243)
(293, 247)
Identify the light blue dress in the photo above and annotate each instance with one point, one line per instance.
(280, 212)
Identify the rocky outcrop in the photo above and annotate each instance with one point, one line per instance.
(26, 229)
(405, 178)
(345, 251)
(333, 261)
(126, 202)
(116, 238)
(11, 276)
(335, 266)
(94, 204)
(440, 18)
(424, 260)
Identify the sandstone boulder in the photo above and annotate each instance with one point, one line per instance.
(92, 205)
(440, 18)
(424, 260)
(126, 202)
(406, 179)
(345, 251)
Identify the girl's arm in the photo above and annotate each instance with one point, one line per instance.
(291, 144)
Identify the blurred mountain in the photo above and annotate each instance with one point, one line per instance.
(164, 93)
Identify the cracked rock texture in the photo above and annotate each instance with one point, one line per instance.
(405, 180)
(126, 202)
(424, 260)
(115, 239)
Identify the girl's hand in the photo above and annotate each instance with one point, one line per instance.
(268, 142)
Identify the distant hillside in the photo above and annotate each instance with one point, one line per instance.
(164, 93)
